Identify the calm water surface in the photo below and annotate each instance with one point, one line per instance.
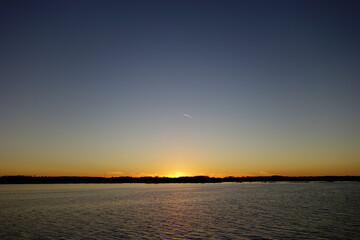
(181, 211)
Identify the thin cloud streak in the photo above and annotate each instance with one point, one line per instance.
(187, 115)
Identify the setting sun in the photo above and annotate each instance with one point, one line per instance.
(176, 175)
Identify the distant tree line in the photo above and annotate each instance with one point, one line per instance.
(195, 179)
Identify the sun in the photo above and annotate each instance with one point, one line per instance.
(176, 175)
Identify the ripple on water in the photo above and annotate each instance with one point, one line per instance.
(181, 211)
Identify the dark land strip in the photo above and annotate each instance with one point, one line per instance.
(195, 179)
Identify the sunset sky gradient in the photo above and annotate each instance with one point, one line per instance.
(176, 88)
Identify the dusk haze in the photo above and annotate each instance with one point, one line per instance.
(180, 88)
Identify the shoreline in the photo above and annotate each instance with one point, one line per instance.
(159, 180)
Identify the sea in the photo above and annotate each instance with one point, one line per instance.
(287, 210)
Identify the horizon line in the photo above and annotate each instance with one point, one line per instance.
(185, 176)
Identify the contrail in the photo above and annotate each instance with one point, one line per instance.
(187, 115)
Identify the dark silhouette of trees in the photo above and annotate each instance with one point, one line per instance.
(195, 179)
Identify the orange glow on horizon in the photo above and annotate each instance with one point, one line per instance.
(182, 174)
(176, 175)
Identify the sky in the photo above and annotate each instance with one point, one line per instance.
(172, 88)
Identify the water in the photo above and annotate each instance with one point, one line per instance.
(181, 211)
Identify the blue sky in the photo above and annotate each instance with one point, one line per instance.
(102, 86)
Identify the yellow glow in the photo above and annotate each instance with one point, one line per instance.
(176, 175)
